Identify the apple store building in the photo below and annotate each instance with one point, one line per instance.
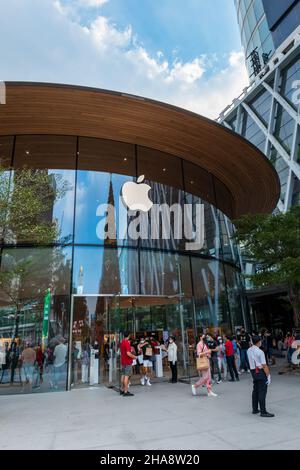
(115, 215)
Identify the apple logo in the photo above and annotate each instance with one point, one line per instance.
(135, 195)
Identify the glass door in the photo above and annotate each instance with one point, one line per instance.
(111, 346)
(95, 337)
(98, 323)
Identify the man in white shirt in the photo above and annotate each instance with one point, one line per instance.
(60, 361)
(261, 378)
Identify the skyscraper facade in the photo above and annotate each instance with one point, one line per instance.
(256, 37)
(267, 111)
(264, 26)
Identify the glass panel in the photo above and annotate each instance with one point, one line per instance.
(164, 223)
(156, 319)
(229, 247)
(233, 122)
(163, 273)
(262, 105)
(103, 167)
(34, 319)
(224, 198)
(6, 147)
(159, 167)
(234, 292)
(289, 75)
(46, 165)
(282, 170)
(198, 182)
(258, 9)
(97, 195)
(284, 127)
(105, 270)
(210, 296)
(95, 341)
(209, 245)
(106, 156)
(264, 31)
(268, 46)
(251, 18)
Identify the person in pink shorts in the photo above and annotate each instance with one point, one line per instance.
(205, 375)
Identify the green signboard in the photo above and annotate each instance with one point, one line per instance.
(47, 303)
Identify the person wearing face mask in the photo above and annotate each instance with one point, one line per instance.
(172, 358)
(203, 351)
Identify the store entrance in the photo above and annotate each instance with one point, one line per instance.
(98, 323)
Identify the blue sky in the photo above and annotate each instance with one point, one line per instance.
(187, 26)
(184, 52)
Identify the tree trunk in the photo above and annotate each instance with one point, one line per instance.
(294, 297)
(15, 358)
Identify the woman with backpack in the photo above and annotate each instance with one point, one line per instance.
(203, 366)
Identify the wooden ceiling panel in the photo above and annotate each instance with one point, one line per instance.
(36, 108)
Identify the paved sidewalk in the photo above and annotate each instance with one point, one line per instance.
(163, 416)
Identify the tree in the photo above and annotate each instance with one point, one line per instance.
(273, 243)
(27, 198)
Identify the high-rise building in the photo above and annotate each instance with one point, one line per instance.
(256, 37)
(267, 111)
(264, 26)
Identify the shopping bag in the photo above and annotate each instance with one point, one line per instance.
(202, 363)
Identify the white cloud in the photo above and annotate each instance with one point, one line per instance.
(47, 42)
(92, 3)
(188, 72)
(106, 35)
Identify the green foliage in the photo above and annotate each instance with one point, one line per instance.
(273, 242)
(27, 198)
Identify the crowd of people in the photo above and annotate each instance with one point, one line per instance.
(27, 364)
(139, 357)
(216, 356)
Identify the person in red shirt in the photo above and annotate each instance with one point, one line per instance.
(229, 351)
(126, 361)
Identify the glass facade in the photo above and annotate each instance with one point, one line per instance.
(255, 33)
(67, 292)
(283, 17)
(273, 127)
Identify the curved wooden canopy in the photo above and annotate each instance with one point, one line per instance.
(41, 108)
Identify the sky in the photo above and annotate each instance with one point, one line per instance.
(183, 52)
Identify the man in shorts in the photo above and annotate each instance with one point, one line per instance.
(126, 362)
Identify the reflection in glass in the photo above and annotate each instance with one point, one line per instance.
(50, 161)
(34, 319)
(164, 273)
(105, 270)
(146, 286)
(96, 190)
(210, 295)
